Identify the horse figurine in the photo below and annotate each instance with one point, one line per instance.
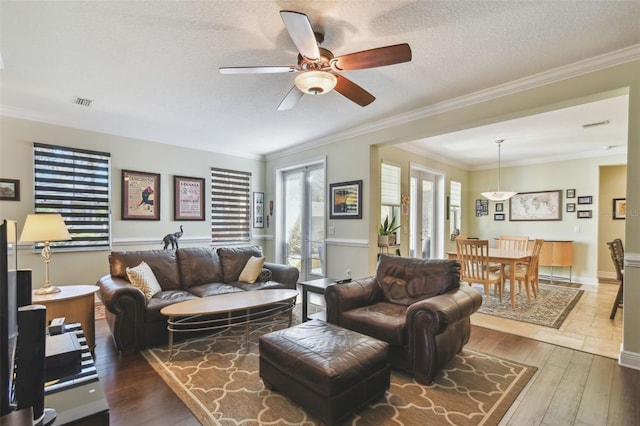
(172, 239)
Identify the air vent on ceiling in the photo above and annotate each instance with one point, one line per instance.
(599, 123)
(83, 102)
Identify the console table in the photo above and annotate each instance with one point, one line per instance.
(557, 253)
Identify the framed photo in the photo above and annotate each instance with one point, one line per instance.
(619, 208)
(587, 199)
(571, 207)
(482, 208)
(498, 216)
(571, 193)
(188, 198)
(541, 205)
(499, 207)
(585, 214)
(345, 200)
(10, 189)
(140, 195)
(258, 209)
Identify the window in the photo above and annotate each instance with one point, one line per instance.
(230, 206)
(455, 202)
(75, 183)
(390, 193)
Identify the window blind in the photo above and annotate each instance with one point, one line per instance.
(456, 193)
(75, 183)
(389, 185)
(230, 205)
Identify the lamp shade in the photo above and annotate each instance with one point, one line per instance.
(316, 82)
(44, 227)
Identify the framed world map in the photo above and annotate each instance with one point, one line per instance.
(541, 205)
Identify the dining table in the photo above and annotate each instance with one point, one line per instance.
(505, 257)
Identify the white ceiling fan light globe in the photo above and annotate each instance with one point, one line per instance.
(316, 82)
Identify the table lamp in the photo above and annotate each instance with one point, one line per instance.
(45, 227)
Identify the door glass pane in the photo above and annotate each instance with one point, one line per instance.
(293, 203)
(427, 218)
(316, 255)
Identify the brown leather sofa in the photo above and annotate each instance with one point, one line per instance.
(183, 274)
(415, 305)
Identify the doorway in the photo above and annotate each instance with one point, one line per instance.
(425, 235)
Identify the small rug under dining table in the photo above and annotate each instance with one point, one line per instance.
(218, 378)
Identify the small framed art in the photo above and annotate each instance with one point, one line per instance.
(498, 216)
(345, 200)
(619, 208)
(499, 207)
(585, 214)
(571, 207)
(585, 199)
(571, 193)
(258, 209)
(140, 195)
(10, 189)
(188, 198)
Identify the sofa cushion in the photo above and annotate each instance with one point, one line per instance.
(384, 321)
(404, 280)
(211, 289)
(142, 277)
(162, 299)
(198, 265)
(251, 270)
(234, 259)
(162, 263)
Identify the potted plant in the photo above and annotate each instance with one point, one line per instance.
(386, 229)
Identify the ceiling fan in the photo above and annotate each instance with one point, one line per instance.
(318, 70)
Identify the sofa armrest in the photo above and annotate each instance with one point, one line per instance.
(344, 297)
(437, 313)
(284, 274)
(125, 305)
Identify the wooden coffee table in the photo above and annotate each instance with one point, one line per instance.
(191, 315)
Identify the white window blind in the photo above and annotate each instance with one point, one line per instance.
(230, 205)
(389, 185)
(75, 183)
(456, 193)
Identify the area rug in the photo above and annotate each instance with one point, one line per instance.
(218, 379)
(552, 306)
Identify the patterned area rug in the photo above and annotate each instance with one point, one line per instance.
(549, 309)
(218, 379)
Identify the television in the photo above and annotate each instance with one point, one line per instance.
(8, 312)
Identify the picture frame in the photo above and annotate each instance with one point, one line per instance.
(499, 207)
(619, 208)
(571, 193)
(585, 199)
(585, 214)
(188, 198)
(536, 206)
(140, 195)
(498, 216)
(258, 209)
(571, 207)
(345, 200)
(10, 189)
(482, 208)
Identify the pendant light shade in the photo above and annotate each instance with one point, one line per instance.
(498, 195)
(316, 82)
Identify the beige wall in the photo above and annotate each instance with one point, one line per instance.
(16, 162)
(613, 184)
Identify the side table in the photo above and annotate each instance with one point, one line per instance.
(74, 302)
(314, 286)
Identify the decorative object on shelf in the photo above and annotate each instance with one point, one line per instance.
(140, 195)
(482, 208)
(345, 200)
(10, 189)
(571, 207)
(541, 205)
(172, 239)
(585, 214)
(404, 198)
(619, 208)
(498, 195)
(258, 209)
(571, 193)
(586, 199)
(499, 207)
(498, 216)
(45, 227)
(188, 198)
(386, 230)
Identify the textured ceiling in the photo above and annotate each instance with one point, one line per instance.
(151, 67)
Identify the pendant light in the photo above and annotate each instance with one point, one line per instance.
(498, 195)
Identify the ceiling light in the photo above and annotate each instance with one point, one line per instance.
(498, 195)
(316, 82)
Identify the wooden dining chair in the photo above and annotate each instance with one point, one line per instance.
(527, 273)
(473, 256)
(508, 242)
(617, 256)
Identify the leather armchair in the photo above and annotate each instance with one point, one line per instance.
(415, 305)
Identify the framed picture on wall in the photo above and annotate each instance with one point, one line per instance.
(258, 209)
(345, 200)
(188, 198)
(499, 207)
(10, 189)
(571, 193)
(571, 207)
(498, 216)
(140, 195)
(586, 199)
(541, 205)
(619, 208)
(585, 214)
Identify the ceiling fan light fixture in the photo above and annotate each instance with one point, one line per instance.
(316, 82)
(498, 195)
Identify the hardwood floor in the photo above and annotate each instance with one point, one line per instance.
(570, 387)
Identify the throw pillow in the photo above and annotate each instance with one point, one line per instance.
(251, 270)
(265, 275)
(142, 277)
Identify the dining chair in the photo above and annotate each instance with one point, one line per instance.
(617, 256)
(473, 256)
(527, 273)
(509, 242)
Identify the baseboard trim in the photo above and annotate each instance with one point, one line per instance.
(629, 359)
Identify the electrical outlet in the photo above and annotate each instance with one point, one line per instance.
(348, 273)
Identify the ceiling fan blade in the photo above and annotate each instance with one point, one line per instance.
(353, 92)
(291, 99)
(372, 58)
(301, 33)
(258, 70)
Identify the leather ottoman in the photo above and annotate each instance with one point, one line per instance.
(328, 370)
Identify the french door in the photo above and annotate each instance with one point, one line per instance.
(424, 234)
(304, 220)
